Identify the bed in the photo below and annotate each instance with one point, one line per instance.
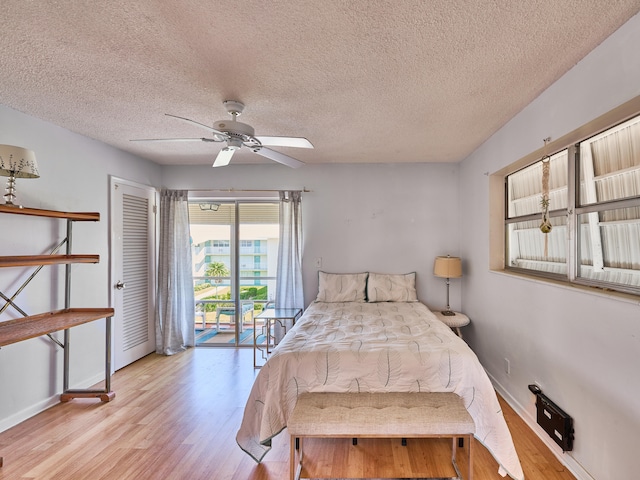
(376, 339)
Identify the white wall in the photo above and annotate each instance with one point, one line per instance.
(379, 218)
(584, 349)
(74, 177)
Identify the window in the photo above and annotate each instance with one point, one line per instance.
(527, 246)
(594, 210)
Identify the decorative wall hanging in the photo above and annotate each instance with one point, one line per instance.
(545, 226)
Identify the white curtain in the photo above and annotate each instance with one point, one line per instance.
(175, 310)
(289, 292)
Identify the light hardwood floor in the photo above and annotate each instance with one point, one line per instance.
(176, 418)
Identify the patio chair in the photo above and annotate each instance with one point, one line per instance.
(230, 311)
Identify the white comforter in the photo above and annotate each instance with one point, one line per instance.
(372, 347)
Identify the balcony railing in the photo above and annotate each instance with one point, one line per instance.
(215, 300)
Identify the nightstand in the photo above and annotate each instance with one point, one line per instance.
(453, 321)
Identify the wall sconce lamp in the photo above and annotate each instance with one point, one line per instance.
(209, 207)
(448, 267)
(16, 162)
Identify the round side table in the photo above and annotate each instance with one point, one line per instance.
(454, 321)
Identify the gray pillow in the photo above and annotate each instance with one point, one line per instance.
(392, 288)
(341, 287)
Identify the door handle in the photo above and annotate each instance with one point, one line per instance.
(121, 285)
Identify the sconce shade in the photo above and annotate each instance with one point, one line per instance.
(447, 267)
(18, 162)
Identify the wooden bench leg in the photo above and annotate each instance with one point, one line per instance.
(470, 442)
(469, 459)
(453, 458)
(295, 466)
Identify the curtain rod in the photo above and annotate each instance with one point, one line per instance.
(232, 190)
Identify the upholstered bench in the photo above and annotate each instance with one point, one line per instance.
(379, 415)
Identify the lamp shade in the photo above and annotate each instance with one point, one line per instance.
(447, 267)
(18, 162)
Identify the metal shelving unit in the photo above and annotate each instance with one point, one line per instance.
(31, 326)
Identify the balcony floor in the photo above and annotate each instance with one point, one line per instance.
(210, 336)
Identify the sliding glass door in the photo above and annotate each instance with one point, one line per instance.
(235, 254)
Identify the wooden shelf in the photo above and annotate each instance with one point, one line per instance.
(12, 331)
(76, 216)
(17, 330)
(37, 260)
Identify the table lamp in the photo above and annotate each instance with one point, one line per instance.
(16, 162)
(448, 267)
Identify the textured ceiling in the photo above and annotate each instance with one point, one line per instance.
(365, 81)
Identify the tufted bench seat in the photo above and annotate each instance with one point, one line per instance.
(378, 415)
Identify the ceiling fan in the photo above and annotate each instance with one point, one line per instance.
(237, 135)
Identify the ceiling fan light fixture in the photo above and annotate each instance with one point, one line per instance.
(234, 143)
(236, 135)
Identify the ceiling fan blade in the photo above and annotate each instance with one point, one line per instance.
(201, 139)
(278, 157)
(202, 125)
(224, 157)
(298, 142)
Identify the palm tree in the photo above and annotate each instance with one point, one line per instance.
(217, 269)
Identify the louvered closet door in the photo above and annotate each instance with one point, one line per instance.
(133, 254)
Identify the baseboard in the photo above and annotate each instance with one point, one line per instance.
(565, 459)
(32, 410)
(39, 407)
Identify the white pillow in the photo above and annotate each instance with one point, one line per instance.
(392, 288)
(339, 287)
